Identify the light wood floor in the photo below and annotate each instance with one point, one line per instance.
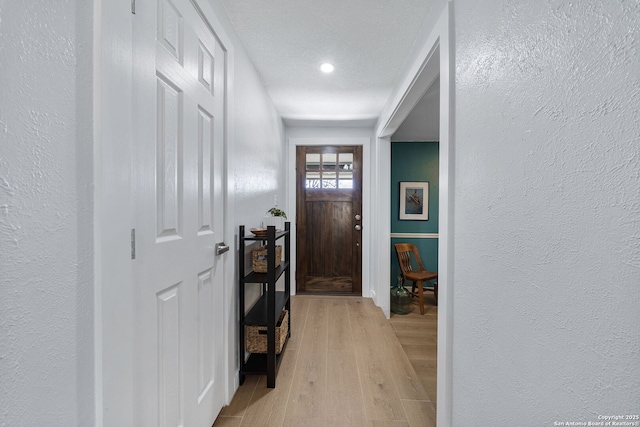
(418, 335)
(344, 366)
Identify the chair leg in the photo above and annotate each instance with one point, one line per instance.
(421, 297)
(435, 291)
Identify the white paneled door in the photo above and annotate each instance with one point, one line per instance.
(177, 174)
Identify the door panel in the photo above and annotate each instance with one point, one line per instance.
(206, 333)
(170, 366)
(168, 160)
(329, 196)
(178, 195)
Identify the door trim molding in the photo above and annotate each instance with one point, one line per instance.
(113, 298)
(365, 142)
(435, 56)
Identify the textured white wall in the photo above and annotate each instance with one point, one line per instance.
(46, 293)
(547, 211)
(259, 156)
(257, 164)
(258, 167)
(259, 153)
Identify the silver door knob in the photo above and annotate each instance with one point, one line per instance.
(221, 248)
(358, 217)
(358, 227)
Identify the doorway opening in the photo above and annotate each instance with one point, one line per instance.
(415, 167)
(433, 59)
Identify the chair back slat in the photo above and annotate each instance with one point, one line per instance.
(404, 252)
(404, 259)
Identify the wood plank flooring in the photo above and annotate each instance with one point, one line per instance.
(346, 366)
(418, 335)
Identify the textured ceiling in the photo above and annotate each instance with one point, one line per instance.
(368, 41)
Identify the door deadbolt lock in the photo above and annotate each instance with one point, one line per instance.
(358, 217)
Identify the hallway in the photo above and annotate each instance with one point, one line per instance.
(344, 366)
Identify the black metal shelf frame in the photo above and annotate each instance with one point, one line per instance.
(266, 311)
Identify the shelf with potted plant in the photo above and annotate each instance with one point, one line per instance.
(265, 328)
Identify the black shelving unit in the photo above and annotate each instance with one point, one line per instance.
(266, 311)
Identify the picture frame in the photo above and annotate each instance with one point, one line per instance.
(414, 201)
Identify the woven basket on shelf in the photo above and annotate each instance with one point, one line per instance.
(260, 258)
(257, 335)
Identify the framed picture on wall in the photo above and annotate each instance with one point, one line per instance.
(414, 201)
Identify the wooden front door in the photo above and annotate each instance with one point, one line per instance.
(329, 219)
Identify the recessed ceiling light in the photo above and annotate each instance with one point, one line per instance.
(327, 68)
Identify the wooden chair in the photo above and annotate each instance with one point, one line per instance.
(417, 276)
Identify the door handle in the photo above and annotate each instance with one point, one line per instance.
(358, 217)
(221, 248)
(357, 227)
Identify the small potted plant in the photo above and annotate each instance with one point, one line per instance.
(276, 219)
(274, 211)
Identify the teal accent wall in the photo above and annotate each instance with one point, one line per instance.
(415, 161)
